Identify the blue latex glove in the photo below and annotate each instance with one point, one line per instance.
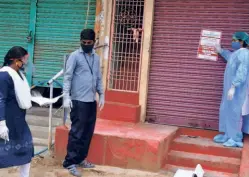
(231, 93)
(101, 101)
(4, 131)
(218, 48)
(67, 102)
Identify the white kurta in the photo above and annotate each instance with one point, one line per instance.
(245, 114)
(245, 108)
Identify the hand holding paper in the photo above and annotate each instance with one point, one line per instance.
(37, 98)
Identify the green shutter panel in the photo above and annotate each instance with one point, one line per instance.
(58, 28)
(14, 24)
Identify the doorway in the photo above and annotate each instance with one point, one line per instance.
(126, 45)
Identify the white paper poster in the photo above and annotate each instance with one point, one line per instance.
(42, 101)
(208, 40)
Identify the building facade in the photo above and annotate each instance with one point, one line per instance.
(153, 71)
(48, 29)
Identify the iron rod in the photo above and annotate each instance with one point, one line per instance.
(50, 119)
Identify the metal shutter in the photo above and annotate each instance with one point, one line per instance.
(184, 90)
(58, 28)
(14, 24)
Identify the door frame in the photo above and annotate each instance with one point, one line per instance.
(146, 57)
(107, 80)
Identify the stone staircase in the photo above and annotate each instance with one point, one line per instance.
(192, 147)
(38, 121)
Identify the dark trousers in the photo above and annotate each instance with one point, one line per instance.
(83, 117)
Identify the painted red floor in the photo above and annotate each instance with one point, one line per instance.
(126, 145)
(153, 147)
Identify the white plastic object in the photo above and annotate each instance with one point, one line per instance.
(106, 48)
(198, 172)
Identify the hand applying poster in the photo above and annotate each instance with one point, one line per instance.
(218, 48)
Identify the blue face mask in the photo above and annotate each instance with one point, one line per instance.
(236, 45)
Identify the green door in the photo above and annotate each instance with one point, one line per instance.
(14, 24)
(58, 27)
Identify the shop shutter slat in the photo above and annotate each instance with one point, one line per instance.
(14, 24)
(58, 28)
(184, 90)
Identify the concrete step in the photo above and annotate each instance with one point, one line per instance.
(209, 162)
(39, 149)
(40, 142)
(44, 112)
(42, 121)
(120, 112)
(204, 146)
(208, 173)
(40, 132)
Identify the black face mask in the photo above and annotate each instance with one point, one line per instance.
(22, 68)
(87, 48)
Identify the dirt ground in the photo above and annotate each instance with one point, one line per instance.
(49, 167)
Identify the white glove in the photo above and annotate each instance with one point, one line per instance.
(231, 93)
(217, 48)
(67, 102)
(4, 131)
(101, 101)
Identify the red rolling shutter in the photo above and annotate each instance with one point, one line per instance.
(184, 90)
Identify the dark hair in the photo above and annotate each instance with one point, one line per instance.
(244, 43)
(15, 52)
(87, 34)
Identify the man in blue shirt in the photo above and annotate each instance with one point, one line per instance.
(82, 80)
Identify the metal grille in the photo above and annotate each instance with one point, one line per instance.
(127, 34)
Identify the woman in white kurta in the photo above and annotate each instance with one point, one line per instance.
(16, 144)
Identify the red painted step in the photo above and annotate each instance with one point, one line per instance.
(208, 173)
(204, 146)
(208, 162)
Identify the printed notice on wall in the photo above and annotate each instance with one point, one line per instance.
(208, 40)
